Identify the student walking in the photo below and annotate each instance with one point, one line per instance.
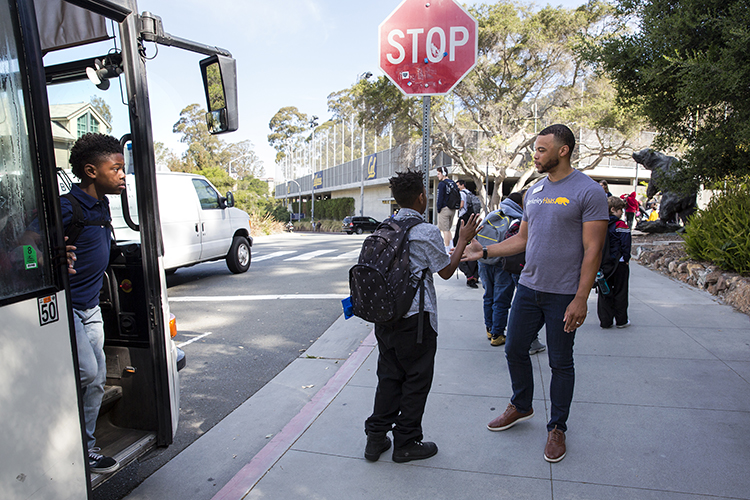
(405, 361)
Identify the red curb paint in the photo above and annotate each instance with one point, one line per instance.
(246, 479)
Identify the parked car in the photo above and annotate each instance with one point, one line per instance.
(359, 224)
(197, 223)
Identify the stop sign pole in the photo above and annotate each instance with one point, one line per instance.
(425, 48)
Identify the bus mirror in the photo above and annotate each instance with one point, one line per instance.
(220, 83)
(230, 199)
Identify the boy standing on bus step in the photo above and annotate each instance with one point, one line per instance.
(98, 161)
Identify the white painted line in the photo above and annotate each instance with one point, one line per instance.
(272, 255)
(250, 298)
(194, 339)
(310, 255)
(354, 254)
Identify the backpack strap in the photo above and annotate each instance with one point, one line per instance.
(420, 320)
(78, 222)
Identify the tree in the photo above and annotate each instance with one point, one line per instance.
(101, 107)
(526, 61)
(686, 68)
(204, 150)
(244, 159)
(286, 127)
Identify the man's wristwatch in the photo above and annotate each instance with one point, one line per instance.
(484, 252)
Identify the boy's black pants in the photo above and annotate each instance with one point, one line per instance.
(405, 371)
(615, 305)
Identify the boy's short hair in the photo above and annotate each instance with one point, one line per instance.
(517, 198)
(407, 186)
(92, 149)
(562, 134)
(615, 203)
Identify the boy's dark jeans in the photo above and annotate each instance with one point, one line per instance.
(615, 305)
(405, 371)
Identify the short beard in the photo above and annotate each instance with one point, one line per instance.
(546, 167)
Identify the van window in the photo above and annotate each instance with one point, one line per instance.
(206, 193)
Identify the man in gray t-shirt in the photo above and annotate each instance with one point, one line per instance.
(563, 229)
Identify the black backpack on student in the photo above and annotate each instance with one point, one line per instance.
(74, 229)
(381, 284)
(453, 197)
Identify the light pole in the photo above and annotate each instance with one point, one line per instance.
(299, 190)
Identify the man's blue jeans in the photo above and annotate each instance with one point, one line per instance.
(92, 365)
(498, 286)
(530, 311)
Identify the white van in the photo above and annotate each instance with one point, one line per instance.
(197, 223)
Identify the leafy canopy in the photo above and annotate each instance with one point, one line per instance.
(686, 67)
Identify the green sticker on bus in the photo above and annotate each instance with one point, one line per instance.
(29, 257)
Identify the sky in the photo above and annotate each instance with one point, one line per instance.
(288, 52)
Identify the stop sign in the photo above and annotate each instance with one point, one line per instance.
(427, 46)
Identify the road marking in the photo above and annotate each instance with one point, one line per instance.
(194, 339)
(310, 255)
(349, 255)
(272, 255)
(249, 298)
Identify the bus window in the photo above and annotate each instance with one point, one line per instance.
(22, 238)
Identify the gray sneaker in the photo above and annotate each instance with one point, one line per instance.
(536, 346)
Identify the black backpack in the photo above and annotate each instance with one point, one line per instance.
(514, 263)
(453, 197)
(73, 231)
(473, 205)
(381, 284)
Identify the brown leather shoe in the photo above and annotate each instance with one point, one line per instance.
(555, 449)
(509, 418)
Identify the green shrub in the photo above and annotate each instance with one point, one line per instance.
(721, 233)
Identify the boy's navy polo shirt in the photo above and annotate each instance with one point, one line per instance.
(92, 248)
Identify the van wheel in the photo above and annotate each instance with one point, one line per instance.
(360, 230)
(238, 258)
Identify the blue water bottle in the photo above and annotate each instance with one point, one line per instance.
(601, 284)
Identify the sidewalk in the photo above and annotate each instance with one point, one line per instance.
(661, 411)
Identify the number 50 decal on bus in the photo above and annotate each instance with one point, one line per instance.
(48, 312)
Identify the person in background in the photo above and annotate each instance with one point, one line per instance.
(614, 307)
(470, 269)
(604, 184)
(445, 213)
(632, 207)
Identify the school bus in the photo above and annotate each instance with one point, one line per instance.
(43, 450)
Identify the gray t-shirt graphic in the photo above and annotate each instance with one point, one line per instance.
(426, 250)
(555, 213)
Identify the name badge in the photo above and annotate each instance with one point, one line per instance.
(537, 189)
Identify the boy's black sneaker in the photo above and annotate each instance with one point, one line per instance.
(101, 464)
(377, 443)
(418, 450)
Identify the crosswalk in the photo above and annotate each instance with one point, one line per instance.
(295, 256)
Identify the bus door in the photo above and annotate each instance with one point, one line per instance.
(43, 452)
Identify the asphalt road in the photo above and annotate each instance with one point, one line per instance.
(239, 331)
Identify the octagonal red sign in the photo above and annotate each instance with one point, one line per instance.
(427, 47)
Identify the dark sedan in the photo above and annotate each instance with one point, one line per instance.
(359, 225)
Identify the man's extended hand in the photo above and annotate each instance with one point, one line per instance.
(472, 252)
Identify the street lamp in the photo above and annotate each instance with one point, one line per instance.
(299, 190)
